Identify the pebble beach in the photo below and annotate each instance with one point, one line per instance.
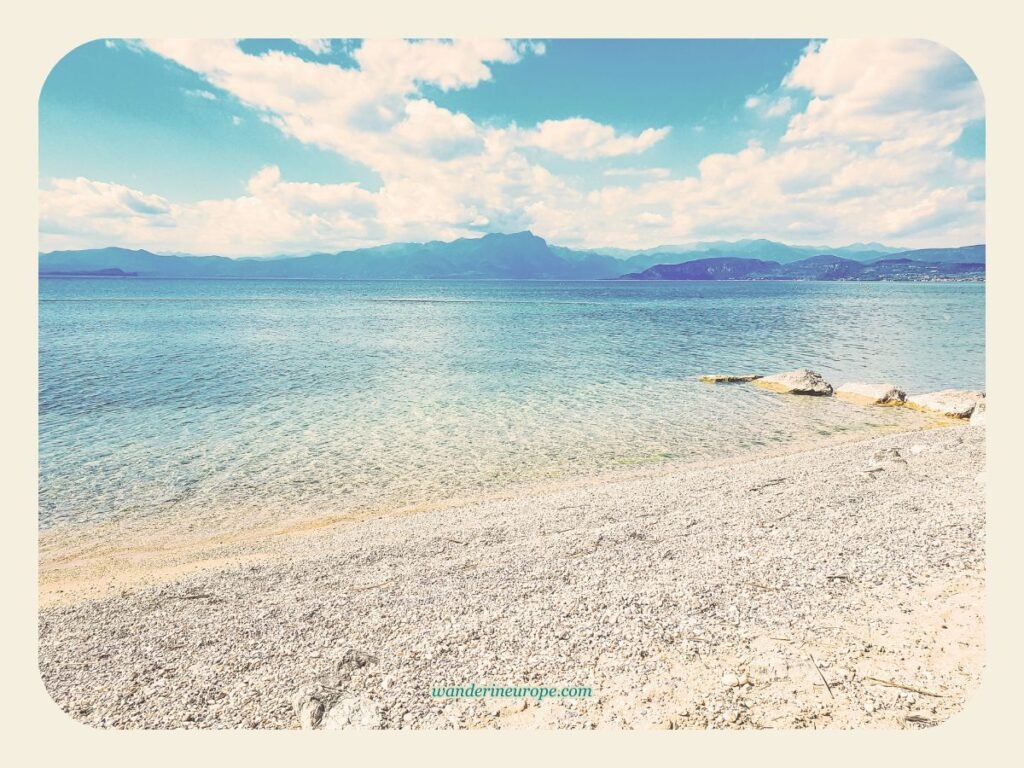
(838, 586)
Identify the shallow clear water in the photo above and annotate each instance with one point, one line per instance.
(307, 397)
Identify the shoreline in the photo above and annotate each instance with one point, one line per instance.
(93, 560)
(836, 586)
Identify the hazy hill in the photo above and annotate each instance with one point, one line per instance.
(820, 267)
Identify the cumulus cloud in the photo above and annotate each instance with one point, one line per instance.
(579, 138)
(883, 91)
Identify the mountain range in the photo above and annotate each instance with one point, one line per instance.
(524, 255)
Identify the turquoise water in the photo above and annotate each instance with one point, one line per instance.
(221, 399)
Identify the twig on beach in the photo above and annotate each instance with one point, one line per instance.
(776, 481)
(894, 684)
(837, 576)
(918, 719)
(193, 596)
(765, 587)
(816, 667)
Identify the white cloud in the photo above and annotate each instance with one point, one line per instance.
(768, 106)
(883, 91)
(579, 138)
(781, 106)
(654, 173)
(200, 94)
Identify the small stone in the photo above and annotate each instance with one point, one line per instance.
(353, 713)
(308, 707)
(352, 660)
(730, 680)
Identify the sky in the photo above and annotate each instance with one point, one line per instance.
(266, 147)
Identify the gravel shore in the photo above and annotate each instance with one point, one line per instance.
(836, 587)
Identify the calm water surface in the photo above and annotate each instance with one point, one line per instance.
(219, 397)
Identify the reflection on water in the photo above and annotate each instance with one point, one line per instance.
(320, 397)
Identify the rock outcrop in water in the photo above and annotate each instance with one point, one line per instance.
(799, 382)
(871, 394)
(728, 378)
(954, 403)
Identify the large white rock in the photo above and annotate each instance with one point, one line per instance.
(871, 394)
(799, 382)
(954, 403)
(978, 415)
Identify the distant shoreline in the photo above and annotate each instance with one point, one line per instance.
(72, 275)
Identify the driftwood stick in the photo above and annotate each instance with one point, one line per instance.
(818, 669)
(894, 684)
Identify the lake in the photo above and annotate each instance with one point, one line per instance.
(213, 398)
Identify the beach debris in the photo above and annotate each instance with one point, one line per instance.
(730, 680)
(799, 382)
(953, 403)
(894, 684)
(768, 484)
(729, 378)
(871, 394)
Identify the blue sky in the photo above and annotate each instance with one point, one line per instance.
(270, 146)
